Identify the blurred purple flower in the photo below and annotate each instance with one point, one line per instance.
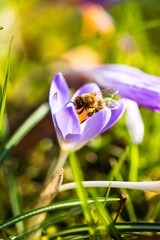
(131, 82)
(71, 134)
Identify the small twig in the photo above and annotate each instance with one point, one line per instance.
(124, 198)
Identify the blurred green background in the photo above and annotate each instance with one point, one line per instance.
(52, 36)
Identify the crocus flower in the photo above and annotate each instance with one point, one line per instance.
(141, 88)
(131, 82)
(71, 134)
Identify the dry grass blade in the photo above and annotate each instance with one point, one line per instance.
(47, 195)
(51, 189)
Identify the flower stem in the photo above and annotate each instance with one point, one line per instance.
(147, 186)
(61, 160)
(59, 164)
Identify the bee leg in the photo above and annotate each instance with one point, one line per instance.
(91, 112)
(79, 111)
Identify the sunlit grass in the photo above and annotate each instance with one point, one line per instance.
(4, 90)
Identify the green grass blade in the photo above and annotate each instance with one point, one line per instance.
(156, 212)
(140, 26)
(72, 231)
(107, 194)
(115, 173)
(105, 218)
(138, 227)
(137, 27)
(139, 235)
(125, 228)
(32, 120)
(128, 204)
(81, 192)
(122, 227)
(52, 207)
(1, 27)
(13, 195)
(79, 237)
(57, 218)
(134, 163)
(4, 88)
(118, 165)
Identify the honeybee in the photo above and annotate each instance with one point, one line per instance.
(88, 104)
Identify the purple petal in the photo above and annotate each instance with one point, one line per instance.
(115, 115)
(71, 140)
(87, 88)
(67, 125)
(93, 125)
(58, 131)
(134, 121)
(132, 83)
(59, 93)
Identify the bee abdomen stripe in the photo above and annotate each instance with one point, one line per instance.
(80, 111)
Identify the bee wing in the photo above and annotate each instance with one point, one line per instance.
(109, 92)
(112, 104)
(106, 93)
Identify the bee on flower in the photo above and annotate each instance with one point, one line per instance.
(90, 103)
(84, 116)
